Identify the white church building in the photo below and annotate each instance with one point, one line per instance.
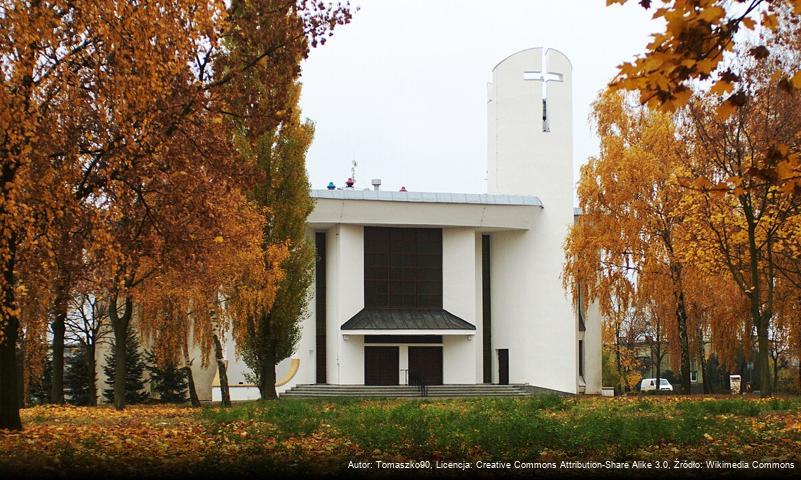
(455, 288)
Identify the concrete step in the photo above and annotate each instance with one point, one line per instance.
(405, 391)
(400, 389)
(449, 385)
(415, 394)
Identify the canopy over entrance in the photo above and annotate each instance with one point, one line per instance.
(407, 319)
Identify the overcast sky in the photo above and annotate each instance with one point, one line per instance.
(402, 89)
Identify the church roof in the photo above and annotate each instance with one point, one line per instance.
(427, 197)
(406, 319)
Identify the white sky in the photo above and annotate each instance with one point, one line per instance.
(402, 89)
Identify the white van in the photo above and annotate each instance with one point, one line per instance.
(649, 385)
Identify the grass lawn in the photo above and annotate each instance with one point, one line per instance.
(321, 436)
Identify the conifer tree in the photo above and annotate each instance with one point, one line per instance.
(169, 380)
(77, 378)
(134, 371)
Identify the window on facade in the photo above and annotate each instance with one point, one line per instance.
(402, 267)
(694, 376)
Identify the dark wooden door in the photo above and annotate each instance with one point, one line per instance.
(425, 365)
(381, 366)
(503, 366)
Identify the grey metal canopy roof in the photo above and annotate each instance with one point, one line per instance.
(406, 319)
(427, 197)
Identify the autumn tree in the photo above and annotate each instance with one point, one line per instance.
(625, 239)
(268, 131)
(737, 221)
(112, 99)
(788, 266)
(655, 315)
(698, 41)
(285, 189)
(166, 322)
(84, 101)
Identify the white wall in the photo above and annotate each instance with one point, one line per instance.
(459, 272)
(405, 214)
(593, 362)
(458, 359)
(460, 353)
(532, 314)
(345, 298)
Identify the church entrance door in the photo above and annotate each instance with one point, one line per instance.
(381, 366)
(425, 365)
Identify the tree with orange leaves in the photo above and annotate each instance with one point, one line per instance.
(275, 331)
(737, 223)
(85, 102)
(788, 266)
(269, 133)
(698, 41)
(697, 36)
(119, 100)
(627, 233)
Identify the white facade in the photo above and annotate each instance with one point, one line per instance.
(526, 215)
(533, 317)
(532, 155)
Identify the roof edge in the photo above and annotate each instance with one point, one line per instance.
(428, 197)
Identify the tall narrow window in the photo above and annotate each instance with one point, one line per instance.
(545, 127)
(319, 295)
(581, 358)
(544, 76)
(486, 308)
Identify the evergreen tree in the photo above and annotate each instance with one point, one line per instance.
(134, 371)
(169, 381)
(77, 378)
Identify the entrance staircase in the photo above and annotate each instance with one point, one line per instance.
(406, 391)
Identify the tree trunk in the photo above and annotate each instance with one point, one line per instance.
(702, 363)
(681, 319)
(658, 357)
(267, 374)
(120, 325)
(9, 395)
(9, 329)
(763, 358)
(58, 327)
(658, 371)
(21, 372)
(190, 380)
(776, 371)
(120, 356)
(90, 366)
(618, 363)
(192, 390)
(218, 354)
(798, 353)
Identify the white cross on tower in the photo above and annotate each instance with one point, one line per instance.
(543, 77)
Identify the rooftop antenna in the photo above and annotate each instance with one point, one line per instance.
(353, 165)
